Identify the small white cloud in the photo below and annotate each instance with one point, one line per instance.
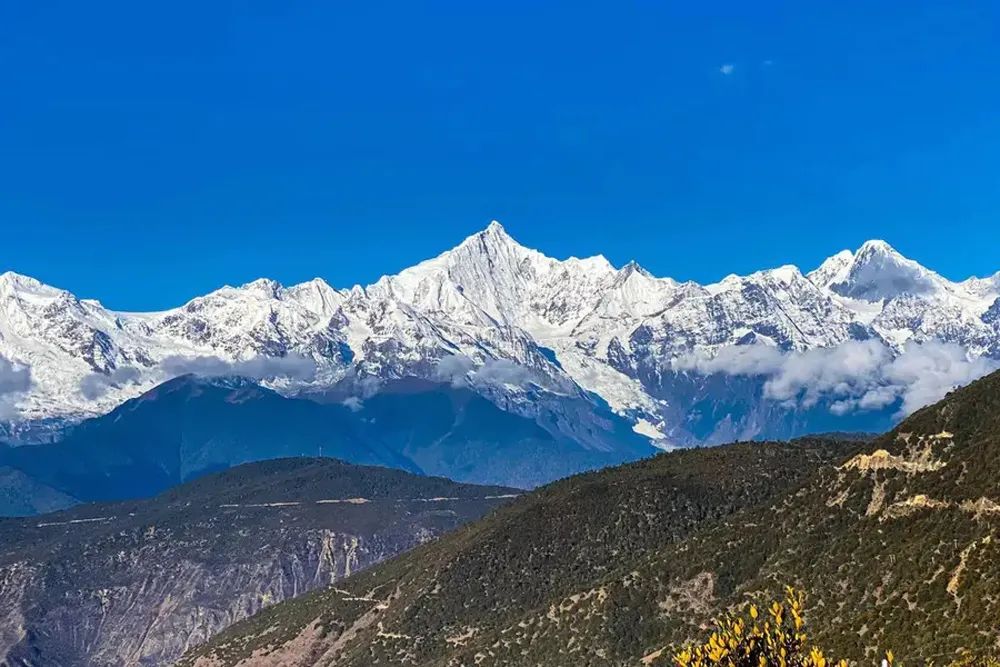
(95, 385)
(15, 379)
(292, 367)
(353, 403)
(727, 69)
(735, 360)
(454, 368)
(504, 371)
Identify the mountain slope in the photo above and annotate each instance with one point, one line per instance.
(187, 427)
(895, 544)
(190, 426)
(20, 495)
(139, 582)
(455, 432)
(434, 601)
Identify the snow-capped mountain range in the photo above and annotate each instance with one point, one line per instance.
(525, 329)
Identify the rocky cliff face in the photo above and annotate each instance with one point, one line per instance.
(163, 601)
(140, 583)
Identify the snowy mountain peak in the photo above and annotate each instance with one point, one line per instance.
(785, 274)
(11, 282)
(875, 248)
(12, 277)
(265, 287)
(634, 267)
(495, 228)
(318, 296)
(833, 269)
(877, 273)
(984, 288)
(494, 236)
(573, 323)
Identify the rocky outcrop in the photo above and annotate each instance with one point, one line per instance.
(140, 583)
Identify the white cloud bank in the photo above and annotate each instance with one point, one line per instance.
(14, 379)
(291, 367)
(461, 371)
(854, 376)
(95, 385)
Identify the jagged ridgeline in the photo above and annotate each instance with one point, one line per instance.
(584, 345)
(894, 541)
(139, 582)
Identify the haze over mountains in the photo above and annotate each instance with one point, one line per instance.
(855, 344)
(190, 426)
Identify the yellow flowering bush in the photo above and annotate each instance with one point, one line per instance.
(775, 638)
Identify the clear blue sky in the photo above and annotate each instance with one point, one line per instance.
(150, 152)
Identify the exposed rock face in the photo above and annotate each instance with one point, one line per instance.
(164, 602)
(140, 583)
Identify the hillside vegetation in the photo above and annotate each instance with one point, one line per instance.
(895, 541)
(481, 580)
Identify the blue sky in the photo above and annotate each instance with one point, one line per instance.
(150, 152)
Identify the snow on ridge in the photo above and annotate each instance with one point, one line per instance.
(607, 330)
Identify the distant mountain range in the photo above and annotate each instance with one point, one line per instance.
(139, 582)
(855, 344)
(190, 426)
(893, 540)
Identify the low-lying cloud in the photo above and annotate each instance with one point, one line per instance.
(504, 371)
(14, 379)
(353, 403)
(854, 376)
(454, 368)
(96, 385)
(461, 371)
(291, 367)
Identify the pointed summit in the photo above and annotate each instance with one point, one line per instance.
(14, 279)
(833, 269)
(492, 240)
(876, 248)
(263, 286)
(18, 285)
(633, 267)
(493, 236)
(877, 272)
(495, 228)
